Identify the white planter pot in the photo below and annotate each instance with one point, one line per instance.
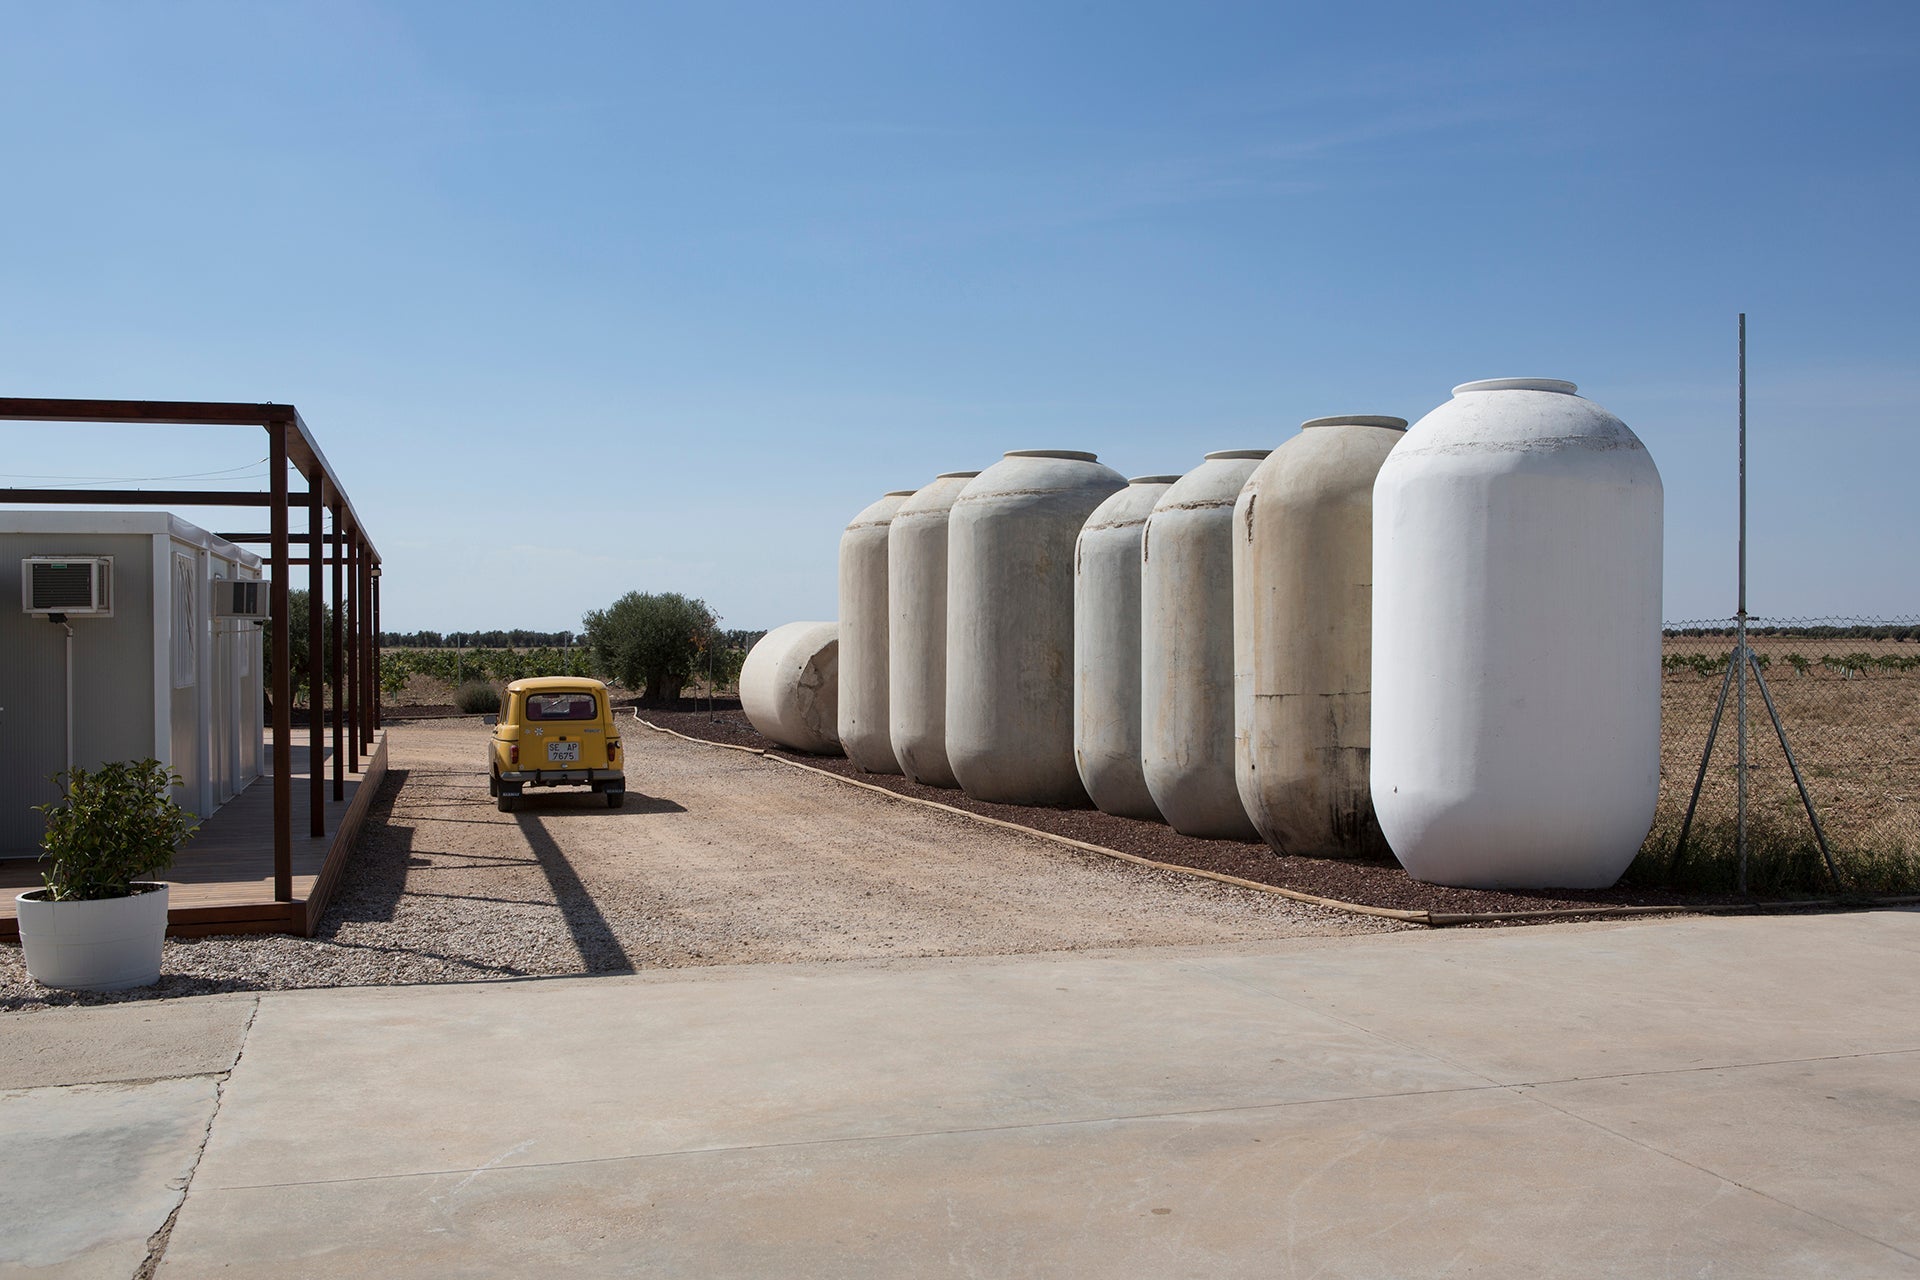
(109, 944)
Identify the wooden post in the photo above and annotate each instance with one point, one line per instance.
(335, 702)
(282, 675)
(316, 658)
(368, 693)
(376, 648)
(353, 649)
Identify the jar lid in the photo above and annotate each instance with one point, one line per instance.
(956, 475)
(1072, 454)
(1357, 420)
(1153, 480)
(1518, 384)
(1237, 453)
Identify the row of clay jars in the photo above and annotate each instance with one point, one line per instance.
(1290, 678)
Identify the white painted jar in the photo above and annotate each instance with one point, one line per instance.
(1303, 637)
(790, 686)
(865, 731)
(1010, 624)
(917, 638)
(103, 944)
(1106, 650)
(1186, 649)
(1516, 640)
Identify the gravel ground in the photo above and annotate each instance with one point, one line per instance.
(1371, 882)
(717, 858)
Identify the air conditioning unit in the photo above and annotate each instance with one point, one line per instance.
(233, 598)
(77, 586)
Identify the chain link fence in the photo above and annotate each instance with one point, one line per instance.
(1848, 694)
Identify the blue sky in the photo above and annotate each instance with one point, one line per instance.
(582, 299)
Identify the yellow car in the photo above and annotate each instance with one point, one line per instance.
(556, 731)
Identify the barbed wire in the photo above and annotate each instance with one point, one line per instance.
(1818, 628)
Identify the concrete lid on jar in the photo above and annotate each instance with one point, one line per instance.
(1554, 385)
(1236, 453)
(1357, 420)
(1071, 454)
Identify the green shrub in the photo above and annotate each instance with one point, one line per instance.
(115, 825)
(477, 697)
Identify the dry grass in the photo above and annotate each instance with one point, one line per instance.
(1857, 740)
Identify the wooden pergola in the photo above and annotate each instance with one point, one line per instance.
(350, 686)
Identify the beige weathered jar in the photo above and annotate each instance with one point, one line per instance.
(1303, 637)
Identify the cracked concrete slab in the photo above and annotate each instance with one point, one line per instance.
(92, 1171)
(760, 1054)
(1482, 1183)
(1384, 1107)
(1523, 1005)
(1769, 1127)
(145, 1041)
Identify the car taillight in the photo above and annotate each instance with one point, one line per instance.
(613, 745)
(513, 753)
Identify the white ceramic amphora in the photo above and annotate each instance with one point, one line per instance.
(108, 944)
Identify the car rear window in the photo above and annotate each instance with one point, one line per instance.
(562, 706)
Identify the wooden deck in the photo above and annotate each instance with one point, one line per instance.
(223, 877)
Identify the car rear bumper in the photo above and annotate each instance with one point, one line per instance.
(565, 777)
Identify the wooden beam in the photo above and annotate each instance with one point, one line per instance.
(145, 498)
(189, 413)
(303, 450)
(306, 455)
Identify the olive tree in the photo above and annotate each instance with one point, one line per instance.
(652, 642)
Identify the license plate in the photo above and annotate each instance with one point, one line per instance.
(563, 752)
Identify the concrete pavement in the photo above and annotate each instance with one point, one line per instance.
(1734, 1097)
(104, 1112)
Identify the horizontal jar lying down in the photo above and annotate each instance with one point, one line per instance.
(790, 686)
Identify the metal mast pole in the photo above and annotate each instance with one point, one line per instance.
(1740, 658)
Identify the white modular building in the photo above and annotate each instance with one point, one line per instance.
(123, 635)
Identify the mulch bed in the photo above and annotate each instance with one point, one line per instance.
(1367, 882)
(442, 711)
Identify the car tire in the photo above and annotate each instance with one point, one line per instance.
(615, 799)
(507, 803)
(493, 785)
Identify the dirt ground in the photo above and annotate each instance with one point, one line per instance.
(717, 858)
(1372, 882)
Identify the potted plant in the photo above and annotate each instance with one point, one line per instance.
(97, 925)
